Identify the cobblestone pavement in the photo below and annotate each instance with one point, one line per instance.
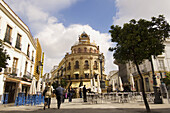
(77, 106)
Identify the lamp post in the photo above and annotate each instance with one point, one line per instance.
(102, 83)
(157, 99)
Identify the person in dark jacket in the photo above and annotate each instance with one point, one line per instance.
(84, 93)
(59, 95)
(70, 93)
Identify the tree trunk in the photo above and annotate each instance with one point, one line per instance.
(143, 90)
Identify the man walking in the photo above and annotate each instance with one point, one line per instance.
(59, 95)
(84, 93)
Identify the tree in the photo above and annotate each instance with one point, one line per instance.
(137, 41)
(3, 57)
(167, 79)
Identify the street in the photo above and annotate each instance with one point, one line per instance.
(77, 106)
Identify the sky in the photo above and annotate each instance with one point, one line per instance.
(58, 23)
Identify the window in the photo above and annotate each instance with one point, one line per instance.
(28, 53)
(86, 75)
(18, 42)
(69, 66)
(79, 50)
(91, 50)
(94, 51)
(77, 65)
(14, 66)
(95, 65)
(147, 86)
(25, 72)
(161, 65)
(32, 56)
(77, 76)
(86, 65)
(75, 51)
(85, 49)
(31, 69)
(8, 35)
(95, 75)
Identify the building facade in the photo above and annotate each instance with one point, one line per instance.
(161, 66)
(38, 61)
(21, 47)
(113, 76)
(81, 65)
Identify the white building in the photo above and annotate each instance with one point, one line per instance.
(21, 47)
(113, 76)
(161, 66)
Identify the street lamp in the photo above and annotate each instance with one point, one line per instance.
(157, 99)
(102, 83)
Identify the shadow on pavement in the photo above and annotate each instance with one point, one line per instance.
(116, 110)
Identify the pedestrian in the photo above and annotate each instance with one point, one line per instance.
(80, 93)
(70, 94)
(59, 95)
(84, 93)
(47, 94)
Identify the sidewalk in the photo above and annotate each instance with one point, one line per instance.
(79, 105)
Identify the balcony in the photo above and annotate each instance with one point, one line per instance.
(8, 39)
(95, 67)
(18, 45)
(76, 66)
(14, 71)
(27, 75)
(86, 66)
(32, 59)
(11, 71)
(28, 53)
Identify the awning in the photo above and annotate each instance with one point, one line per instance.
(25, 83)
(87, 71)
(88, 84)
(75, 84)
(95, 72)
(12, 79)
(76, 72)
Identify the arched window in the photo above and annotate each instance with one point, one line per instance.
(86, 64)
(75, 51)
(85, 49)
(79, 50)
(91, 50)
(77, 65)
(94, 51)
(95, 65)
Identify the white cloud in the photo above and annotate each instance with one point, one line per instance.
(136, 9)
(55, 38)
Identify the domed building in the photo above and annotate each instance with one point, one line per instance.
(81, 65)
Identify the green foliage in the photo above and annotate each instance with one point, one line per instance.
(3, 56)
(167, 79)
(138, 40)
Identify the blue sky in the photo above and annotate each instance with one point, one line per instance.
(58, 23)
(96, 13)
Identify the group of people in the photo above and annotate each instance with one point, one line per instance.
(60, 93)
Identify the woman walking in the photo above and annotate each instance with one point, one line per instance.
(47, 94)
